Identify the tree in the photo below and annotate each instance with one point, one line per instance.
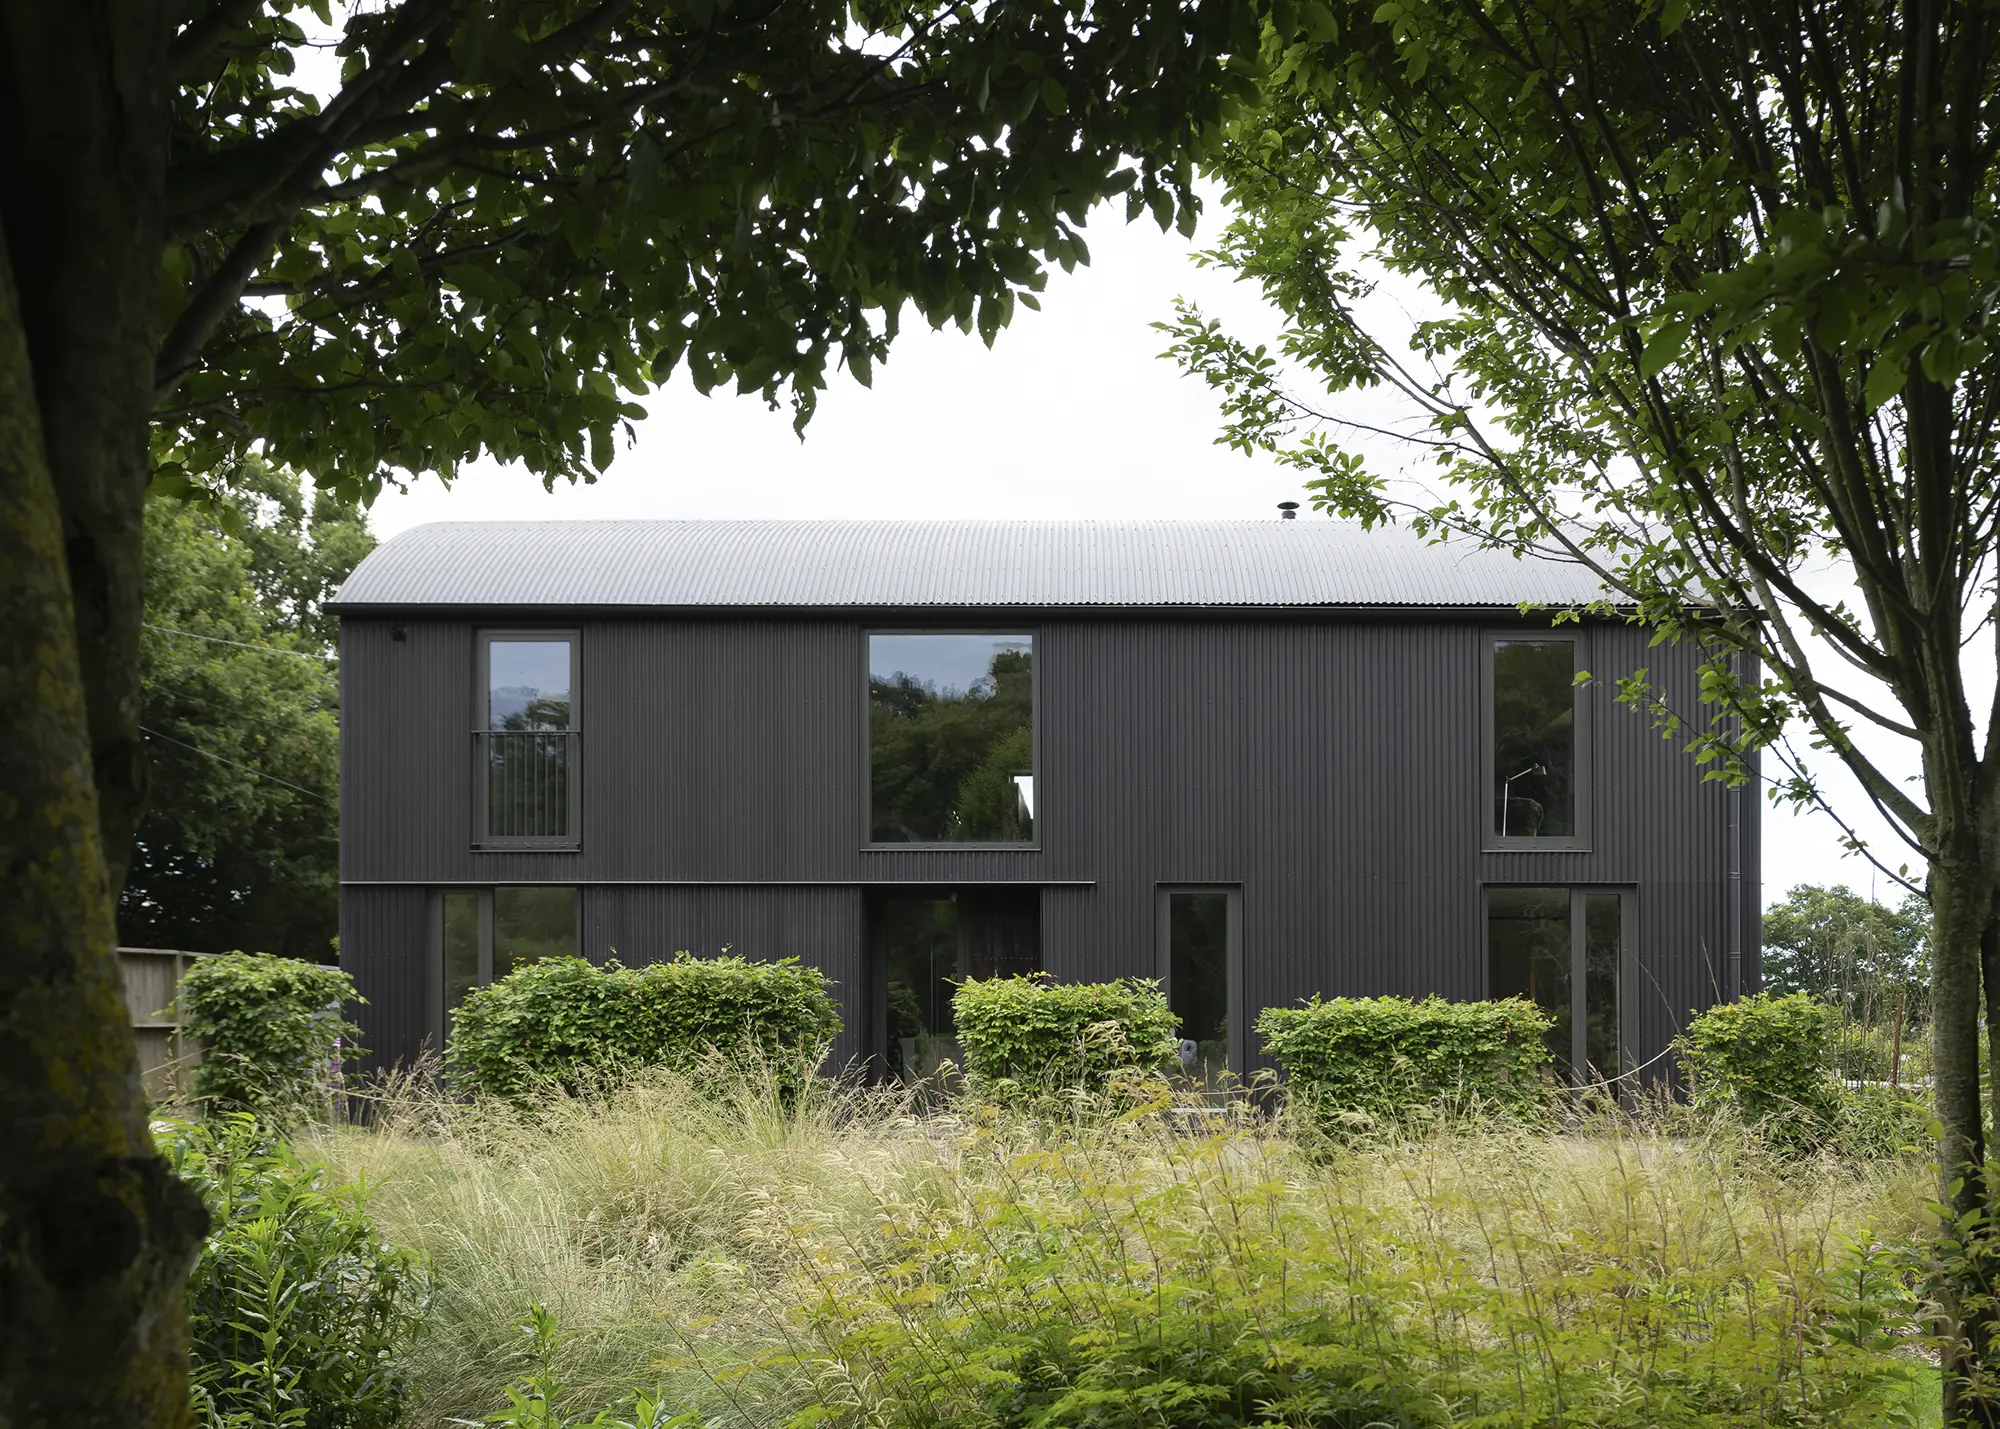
(1864, 957)
(1720, 288)
(239, 844)
(492, 229)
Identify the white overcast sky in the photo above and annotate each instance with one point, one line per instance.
(1071, 415)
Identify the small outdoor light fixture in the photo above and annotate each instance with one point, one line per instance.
(398, 634)
(1288, 510)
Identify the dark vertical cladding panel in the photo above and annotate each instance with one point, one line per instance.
(1330, 768)
(385, 948)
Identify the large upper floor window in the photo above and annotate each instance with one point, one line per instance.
(1535, 750)
(527, 781)
(951, 739)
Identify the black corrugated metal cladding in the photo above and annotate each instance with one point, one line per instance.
(1329, 767)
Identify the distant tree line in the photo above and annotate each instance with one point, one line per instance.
(239, 846)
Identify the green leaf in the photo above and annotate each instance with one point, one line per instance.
(1663, 347)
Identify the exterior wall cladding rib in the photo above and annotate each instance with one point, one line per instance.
(1328, 766)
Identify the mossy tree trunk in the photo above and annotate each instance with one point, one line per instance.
(95, 1235)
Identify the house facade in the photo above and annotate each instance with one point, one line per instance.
(1257, 760)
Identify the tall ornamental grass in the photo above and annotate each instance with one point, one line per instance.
(767, 1259)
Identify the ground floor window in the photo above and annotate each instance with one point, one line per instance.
(923, 943)
(1567, 950)
(485, 933)
(1198, 941)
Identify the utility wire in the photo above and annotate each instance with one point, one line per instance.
(218, 640)
(247, 768)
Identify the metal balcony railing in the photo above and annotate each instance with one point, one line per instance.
(528, 786)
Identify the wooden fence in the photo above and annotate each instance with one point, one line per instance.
(152, 975)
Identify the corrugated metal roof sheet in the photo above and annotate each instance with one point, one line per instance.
(909, 564)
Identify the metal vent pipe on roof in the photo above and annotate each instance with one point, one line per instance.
(1288, 510)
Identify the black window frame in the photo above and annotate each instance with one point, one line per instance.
(434, 1008)
(869, 844)
(1628, 959)
(483, 841)
(1583, 773)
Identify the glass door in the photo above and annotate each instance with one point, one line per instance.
(1567, 950)
(1200, 967)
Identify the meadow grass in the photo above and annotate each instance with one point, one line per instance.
(842, 1256)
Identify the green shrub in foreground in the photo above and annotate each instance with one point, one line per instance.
(1768, 1060)
(297, 1309)
(1213, 1294)
(270, 1029)
(1033, 1033)
(1383, 1057)
(569, 1022)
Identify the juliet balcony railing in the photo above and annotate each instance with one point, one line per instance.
(528, 787)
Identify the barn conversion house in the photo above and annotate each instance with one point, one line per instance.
(1259, 760)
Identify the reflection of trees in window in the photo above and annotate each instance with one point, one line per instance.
(530, 739)
(1563, 949)
(1534, 739)
(1528, 942)
(531, 923)
(950, 764)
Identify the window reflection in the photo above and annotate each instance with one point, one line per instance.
(1528, 943)
(1534, 739)
(529, 741)
(1563, 949)
(530, 924)
(951, 742)
(1198, 982)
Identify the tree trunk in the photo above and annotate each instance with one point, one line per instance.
(95, 1235)
(1962, 900)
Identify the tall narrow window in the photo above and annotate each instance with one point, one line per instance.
(951, 739)
(1197, 957)
(1534, 754)
(486, 933)
(528, 741)
(462, 942)
(1566, 950)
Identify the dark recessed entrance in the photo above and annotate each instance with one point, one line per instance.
(921, 944)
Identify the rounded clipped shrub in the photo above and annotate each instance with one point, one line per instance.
(271, 1032)
(1769, 1060)
(297, 1309)
(571, 1023)
(1033, 1034)
(1361, 1059)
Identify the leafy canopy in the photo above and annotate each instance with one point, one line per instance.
(239, 845)
(1839, 947)
(1719, 286)
(503, 222)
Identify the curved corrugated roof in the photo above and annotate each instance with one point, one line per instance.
(912, 564)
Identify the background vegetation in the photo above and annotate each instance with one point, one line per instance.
(239, 845)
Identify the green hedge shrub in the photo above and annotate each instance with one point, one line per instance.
(271, 1033)
(572, 1023)
(298, 1311)
(1031, 1034)
(1352, 1059)
(1769, 1060)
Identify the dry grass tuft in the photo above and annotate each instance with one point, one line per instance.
(754, 1256)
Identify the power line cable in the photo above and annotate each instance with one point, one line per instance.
(238, 644)
(246, 768)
